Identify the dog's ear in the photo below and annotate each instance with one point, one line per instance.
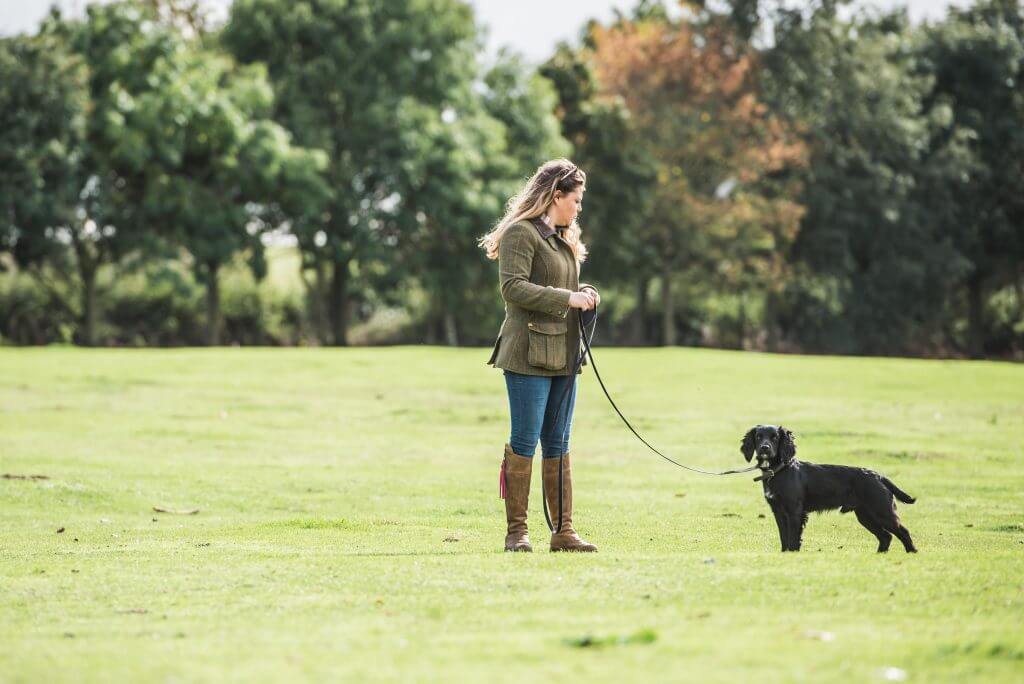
(787, 445)
(747, 448)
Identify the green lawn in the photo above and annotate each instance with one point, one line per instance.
(349, 525)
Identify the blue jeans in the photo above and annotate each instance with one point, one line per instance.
(533, 402)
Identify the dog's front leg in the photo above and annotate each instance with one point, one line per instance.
(796, 519)
(783, 525)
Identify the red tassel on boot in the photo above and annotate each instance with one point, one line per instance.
(501, 481)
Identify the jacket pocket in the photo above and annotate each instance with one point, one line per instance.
(547, 345)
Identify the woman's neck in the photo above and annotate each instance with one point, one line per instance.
(549, 220)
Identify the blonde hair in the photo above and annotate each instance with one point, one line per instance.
(534, 199)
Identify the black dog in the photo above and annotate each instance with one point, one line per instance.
(794, 488)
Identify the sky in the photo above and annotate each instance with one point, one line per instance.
(530, 27)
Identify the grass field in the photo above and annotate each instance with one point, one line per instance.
(349, 526)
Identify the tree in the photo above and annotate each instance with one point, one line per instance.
(691, 88)
(976, 58)
(872, 265)
(223, 171)
(462, 163)
(63, 201)
(619, 184)
(341, 70)
(123, 132)
(42, 131)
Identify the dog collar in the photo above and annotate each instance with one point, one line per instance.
(769, 473)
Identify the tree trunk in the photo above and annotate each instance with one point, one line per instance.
(339, 304)
(639, 334)
(451, 331)
(668, 318)
(771, 340)
(88, 275)
(1019, 284)
(318, 303)
(430, 328)
(742, 323)
(212, 304)
(88, 265)
(975, 324)
(316, 297)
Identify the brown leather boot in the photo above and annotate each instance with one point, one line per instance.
(515, 489)
(564, 539)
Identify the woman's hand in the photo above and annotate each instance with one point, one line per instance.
(584, 299)
(593, 291)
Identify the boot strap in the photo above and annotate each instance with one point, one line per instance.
(502, 484)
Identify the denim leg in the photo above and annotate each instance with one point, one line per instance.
(554, 434)
(527, 398)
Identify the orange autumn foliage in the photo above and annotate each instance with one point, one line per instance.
(693, 94)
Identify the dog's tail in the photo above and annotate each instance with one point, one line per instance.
(897, 492)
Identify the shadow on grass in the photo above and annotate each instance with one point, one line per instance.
(374, 554)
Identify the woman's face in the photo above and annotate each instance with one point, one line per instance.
(567, 206)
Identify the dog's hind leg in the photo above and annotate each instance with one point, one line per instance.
(884, 538)
(902, 533)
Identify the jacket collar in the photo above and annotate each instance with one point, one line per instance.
(544, 229)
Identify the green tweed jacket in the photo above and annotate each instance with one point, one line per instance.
(537, 270)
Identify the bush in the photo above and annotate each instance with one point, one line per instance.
(260, 313)
(1004, 323)
(385, 326)
(160, 306)
(28, 315)
(809, 317)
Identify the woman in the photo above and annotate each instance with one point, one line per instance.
(539, 252)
